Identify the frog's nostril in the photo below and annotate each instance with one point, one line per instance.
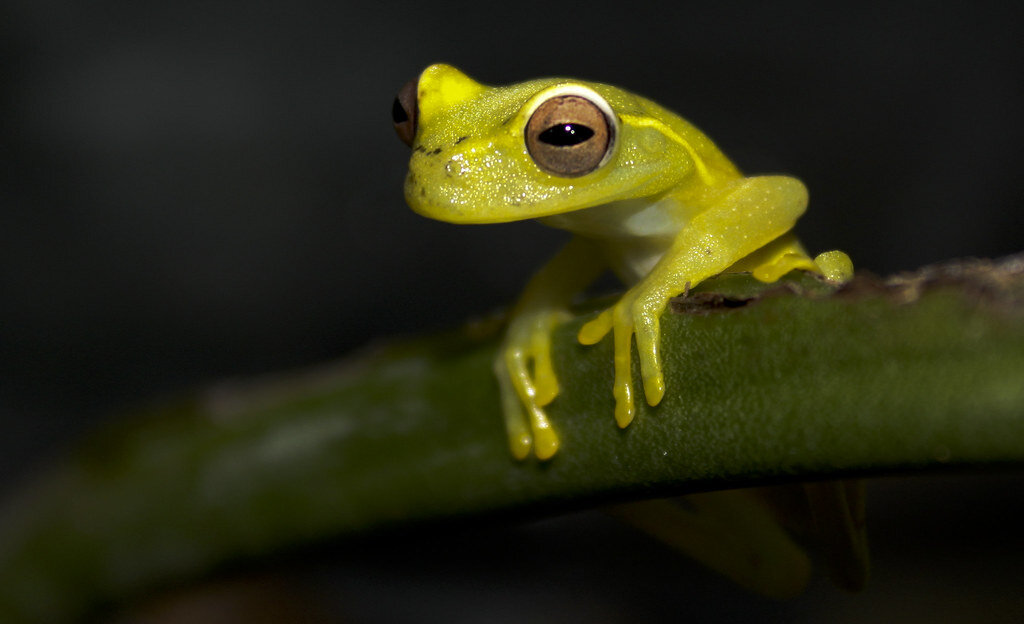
(404, 112)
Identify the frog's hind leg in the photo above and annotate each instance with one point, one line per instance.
(785, 254)
(775, 259)
(732, 532)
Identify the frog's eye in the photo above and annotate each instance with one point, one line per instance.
(404, 113)
(569, 135)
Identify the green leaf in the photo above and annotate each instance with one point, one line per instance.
(765, 384)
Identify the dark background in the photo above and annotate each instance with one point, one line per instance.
(195, 190)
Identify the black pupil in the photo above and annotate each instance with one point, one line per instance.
(566, 135)
(398, 114)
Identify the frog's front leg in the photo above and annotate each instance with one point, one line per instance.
(523, 366)
(638, 311)
(745, 218)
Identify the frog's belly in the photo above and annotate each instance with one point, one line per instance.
(633, 259)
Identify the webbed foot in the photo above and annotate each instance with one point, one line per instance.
(785, 254)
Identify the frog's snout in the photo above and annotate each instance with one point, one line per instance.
(404, 112)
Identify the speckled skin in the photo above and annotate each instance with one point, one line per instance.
(665, 210)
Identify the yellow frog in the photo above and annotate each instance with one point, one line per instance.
(644, 192)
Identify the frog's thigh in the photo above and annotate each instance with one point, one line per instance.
(775, 259)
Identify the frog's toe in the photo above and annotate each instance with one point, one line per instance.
(835, 266)
(624, 408)
(546, 387)
(648, 339)
(597, 328)
(545, 382)
(519, 444)
(771, 272)
(543, 437)
(654, 389)
(520, 440)
(545, 443)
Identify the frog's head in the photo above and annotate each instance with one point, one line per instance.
(485, 154)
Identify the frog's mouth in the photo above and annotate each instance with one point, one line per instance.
(461, 206)
(448, 203)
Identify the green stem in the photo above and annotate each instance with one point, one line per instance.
(765, 384)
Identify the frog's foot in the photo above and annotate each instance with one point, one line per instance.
(775, 259)
(527, 382)
(786, 253)
(635, 313)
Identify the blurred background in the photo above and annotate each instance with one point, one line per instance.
(197, 190)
